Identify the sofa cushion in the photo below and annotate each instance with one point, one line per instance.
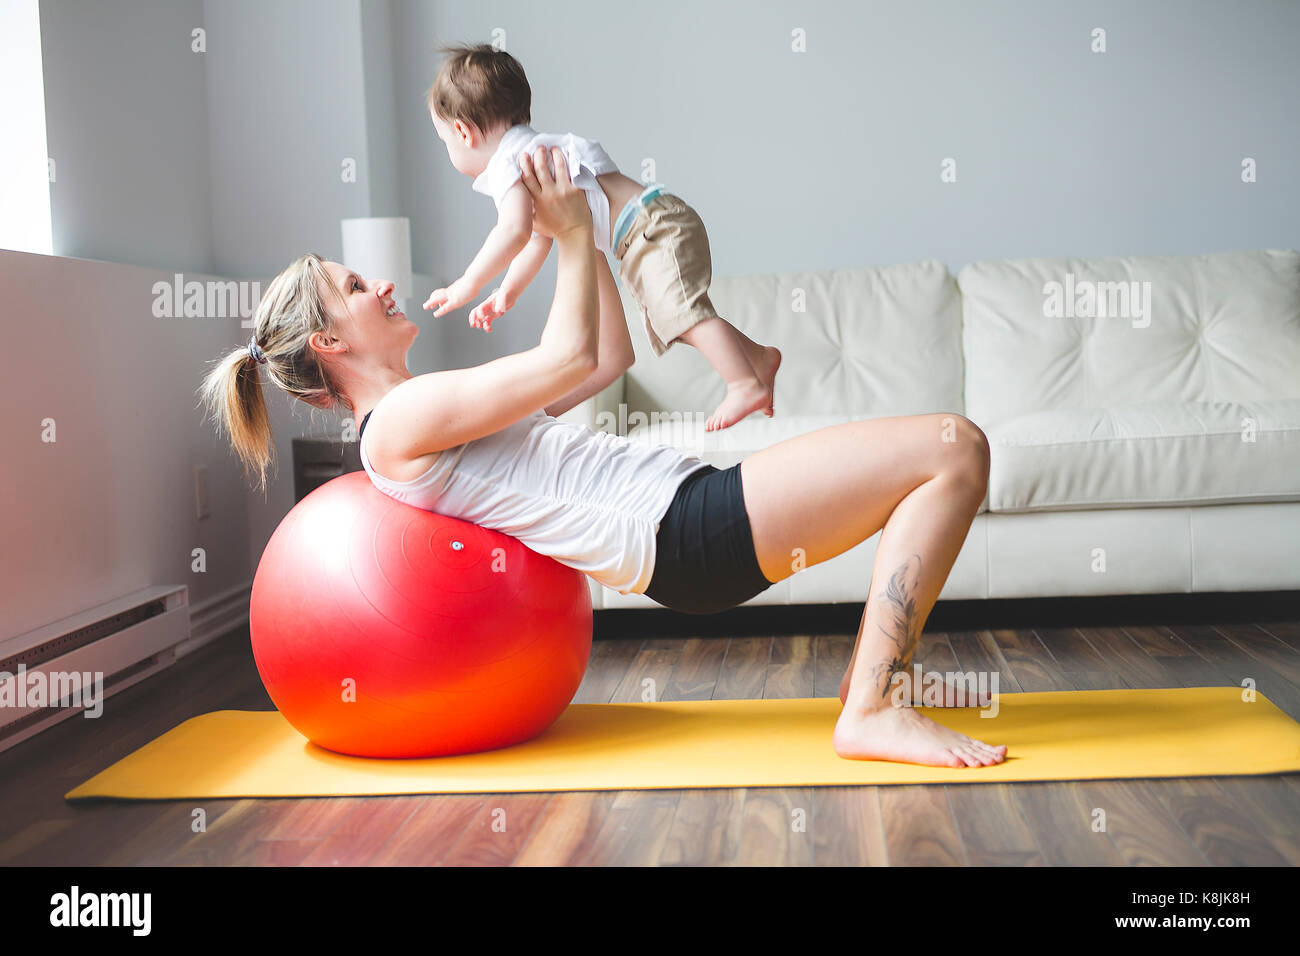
(865, 343)
(1159, 454)
(1221, 327)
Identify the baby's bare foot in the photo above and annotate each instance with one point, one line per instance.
(907, 736)
(768, 361)
(742, 398)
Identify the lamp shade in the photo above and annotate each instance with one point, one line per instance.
(380, 248)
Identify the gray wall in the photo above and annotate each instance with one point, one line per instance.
(107, 507)
(228, 163)
(832, 157)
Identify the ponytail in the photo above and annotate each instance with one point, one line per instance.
(290, 310)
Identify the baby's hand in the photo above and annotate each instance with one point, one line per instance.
(492, 308)
(453, 297)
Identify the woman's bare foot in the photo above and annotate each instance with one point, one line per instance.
(914, 695)
(743, 397)
(907, 736)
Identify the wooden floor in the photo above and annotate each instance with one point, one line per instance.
(1196, 821)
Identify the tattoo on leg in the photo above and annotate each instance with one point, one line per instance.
(904, 631)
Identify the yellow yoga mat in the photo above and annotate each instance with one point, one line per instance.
(1060, 735)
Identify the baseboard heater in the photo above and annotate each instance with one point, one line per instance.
(71, 666)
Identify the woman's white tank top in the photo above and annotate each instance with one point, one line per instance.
(589, 499)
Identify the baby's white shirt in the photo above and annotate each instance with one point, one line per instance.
(586, 160)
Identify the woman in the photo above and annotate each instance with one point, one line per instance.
(638, 517)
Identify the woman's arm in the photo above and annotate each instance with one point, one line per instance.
(442, 409)
(616, 354)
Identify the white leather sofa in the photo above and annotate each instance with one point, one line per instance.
(1143, 412)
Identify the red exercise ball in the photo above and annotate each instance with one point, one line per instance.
(448, 638)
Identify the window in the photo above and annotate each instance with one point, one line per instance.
(26, 170)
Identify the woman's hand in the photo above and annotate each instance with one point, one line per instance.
(559, 207)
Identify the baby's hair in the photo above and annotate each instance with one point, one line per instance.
(479, 85)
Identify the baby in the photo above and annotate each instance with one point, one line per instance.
(480, 103)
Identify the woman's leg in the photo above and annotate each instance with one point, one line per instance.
(921, 478)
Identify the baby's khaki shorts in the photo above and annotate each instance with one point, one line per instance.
(664, 262)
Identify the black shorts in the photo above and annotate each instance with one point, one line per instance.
(705, 560)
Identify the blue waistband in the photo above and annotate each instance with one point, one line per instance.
(625, 217)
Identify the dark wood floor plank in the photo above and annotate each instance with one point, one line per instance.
(743, 669)
(1267, 800)
(1194, 671)
(1030, 666)
(566, 833)
(636, 829)
(776, 825)
(706, 828)
(1070, 649)
(430, 830)
(1222, 832)
(1222, 821)
(279, 852)
(992, 827)
(361, 835)
(934, 651)
(978, 651)
(695, 677)
(647, 678)
(1235, 666)
(233, 838)
(609, 662)
(1283, 659)
(1139, 825)
(26, 842)
(89, 837)
(1061, 818)
(1096, 680)
(833, 652)
(1158, 642)
(848, 827)
(776, 822)
(1288, 848)
(156, 844)
(791, 669)
(302, 819)
(499, 830)
(919, 827)
(1288, 632)
(1121, 653)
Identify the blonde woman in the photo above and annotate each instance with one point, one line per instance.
(481, 444)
